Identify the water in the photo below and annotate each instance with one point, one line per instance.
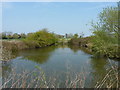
(59, 62)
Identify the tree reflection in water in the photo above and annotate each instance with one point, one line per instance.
(40, 55)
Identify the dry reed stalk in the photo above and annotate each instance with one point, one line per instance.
(77, 82)
(110, 80)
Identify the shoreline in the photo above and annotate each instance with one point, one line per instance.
(10, 48)
(87, 44)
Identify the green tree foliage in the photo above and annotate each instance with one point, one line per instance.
(16, 36)
(23, 35)
(105, 30)
(9, 35)
(41, 38)
(75, 35)
(4, 36)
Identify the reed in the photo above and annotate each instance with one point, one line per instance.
(37, 79)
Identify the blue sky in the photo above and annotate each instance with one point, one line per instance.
(59, 17)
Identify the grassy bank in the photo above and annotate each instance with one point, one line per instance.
(38, 39)
(97, 49)
(10, 48)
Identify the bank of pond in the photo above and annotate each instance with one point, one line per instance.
(14, 46)
(99, 49)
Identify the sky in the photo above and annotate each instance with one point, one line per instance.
(57, 17)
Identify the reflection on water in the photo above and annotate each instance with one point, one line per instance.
(99, 69)
(77, 48)
(6, 68)
(59, 62)
(99, 66)
(38, 55)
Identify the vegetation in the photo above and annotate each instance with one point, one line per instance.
(13, 43)
(38, 79)
(41, 38)
(10, 35)
(38, 39)
(10, 48)
(105, 41)
(75, 35)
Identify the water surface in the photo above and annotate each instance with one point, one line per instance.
(60, 62)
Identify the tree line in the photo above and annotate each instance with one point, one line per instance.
(10, 35)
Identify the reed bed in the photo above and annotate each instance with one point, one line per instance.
(37, 79)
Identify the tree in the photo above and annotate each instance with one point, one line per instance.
(4, 36)
(108, 20)
(16, 36)
(76, 35)
(106, 33)
(41, 38)
(23, 35)
(9, 35)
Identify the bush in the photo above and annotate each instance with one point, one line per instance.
(40, 39)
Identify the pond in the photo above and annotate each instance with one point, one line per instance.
(60, 65)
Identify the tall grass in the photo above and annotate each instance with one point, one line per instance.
(9, 49)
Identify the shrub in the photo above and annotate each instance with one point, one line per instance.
(40, 39)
